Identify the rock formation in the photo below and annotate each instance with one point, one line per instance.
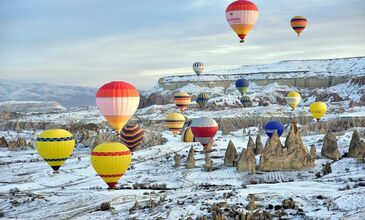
(251, 144)
(177, 160)
(356, 145)
(259, 146)
(208, 166)
(190, 163)
(330, 147)
(313, 152)
(293, 156)
(3, 142)
(247, 161)
(230, 155)
(361, 158)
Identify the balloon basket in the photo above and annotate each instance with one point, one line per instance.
(56, 172)
(242, 41)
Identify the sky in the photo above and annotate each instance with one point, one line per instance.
(92, 42)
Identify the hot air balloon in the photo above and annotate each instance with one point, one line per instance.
(182, 100)
(132, 135)
(117, 101)
(241, 16)
(55, 146)
(174, 122)
(242, 85)
(187, 135)
(204, 129)
(298, 23)
(293, 99)
(272, 126)
(202, 99)
(111, 161)
(198, 68)
(246, 101)
(318, 109)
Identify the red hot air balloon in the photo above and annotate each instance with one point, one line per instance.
(117, 101)
(204, 129)
(242, 15)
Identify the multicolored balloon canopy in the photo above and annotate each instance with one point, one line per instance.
(198, 68)
(242, 85)
(117, 101)
(202, 99)
(298, 23)
(273, 126)
(111, 161)
(55, 146)
(132, 135)
(242, 15)
(175, 122)
(204, 129)
(187, 135)
(182, 100)
(245, 100)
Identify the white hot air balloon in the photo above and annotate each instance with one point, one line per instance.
(198, 68)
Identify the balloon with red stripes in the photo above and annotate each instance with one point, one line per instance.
(204, 129)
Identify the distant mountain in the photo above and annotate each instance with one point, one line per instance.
(67, 96)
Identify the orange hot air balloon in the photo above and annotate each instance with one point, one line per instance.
(242, 15)
(182, 100)
(298, 23)
(117, 101)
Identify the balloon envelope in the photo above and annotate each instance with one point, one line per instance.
(55, 146)
(204, 129)
(132, 135)
(293, 98)
(242, 15)
(182, 100)
(245, 100)
(273, 126)
(298, 23)
(242, 85)
(187, 135)
(202, 99)
(318, 109)
(110, 161)
(117, 101)
(174, 122)
(198, 68)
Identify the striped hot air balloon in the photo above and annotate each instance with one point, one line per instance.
(187, 135)
(117, 101)
(175, 122)
(241, 16)
(204, 129)
(198, 68)
(55, 146)
(293, 98)
(111, 161)
(245, 101)
(202, 99)
(132, 135)
(242, 85)
(298, 23)
(182, 100)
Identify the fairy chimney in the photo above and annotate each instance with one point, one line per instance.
(247, 161)
(190, 160)
(356, 145)
(259, 146)
(230, 155)
(330, 147)
(251, 144)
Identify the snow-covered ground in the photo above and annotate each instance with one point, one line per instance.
(76, 192)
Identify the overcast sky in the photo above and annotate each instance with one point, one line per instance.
(91, 42)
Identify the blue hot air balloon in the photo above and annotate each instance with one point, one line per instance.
(272, 126)
(242, 85)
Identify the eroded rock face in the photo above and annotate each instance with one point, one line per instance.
(330, 147)
(230, 155)
(356, 145)
(293, 156)
(259, 146)
(313, 152)
(251, 144)
(247, 161)
(3, 142)
(208, 165)
(190, 163)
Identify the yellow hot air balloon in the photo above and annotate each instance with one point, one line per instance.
(55, 146)
(111, 161)
(187, 135)
(318, 110)
(175, 122)
(293, 98)
(182, 100)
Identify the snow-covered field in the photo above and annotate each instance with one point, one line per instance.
(76, 192)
